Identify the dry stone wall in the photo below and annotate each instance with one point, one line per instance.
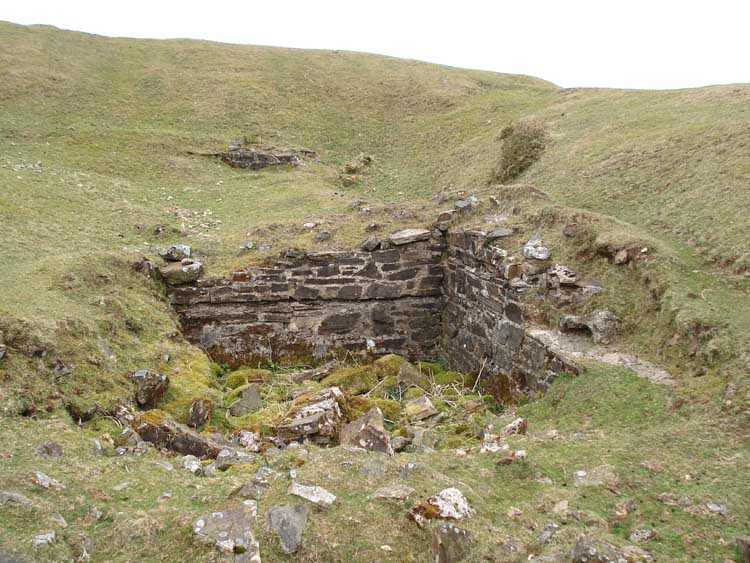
(453, 294)
(483, 321)
(310, 305)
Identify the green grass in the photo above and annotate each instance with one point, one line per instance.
(111, 122)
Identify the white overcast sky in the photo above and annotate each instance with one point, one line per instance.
(611, 43)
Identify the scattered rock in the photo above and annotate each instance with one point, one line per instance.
(422, 440)
(445, 219)
(43, 540)
(178, 273)
(46, 482)
(230, 531)
(227, 458)
(601, 475)
(155, 428)
(642, 535)
(15, 499)
(409, 235)
(49, 450)
(317, 417)
(517, 426)
(264, 247)
(448, 503)
(590, 550)
(248, 439)
(200, 412)
(500, 232)
(176, 252)
(368, 432)
(395, 491)
(371, 244)
(535, 249)
(121, 487)
(191, 463)
(602, 325)
(717, 508)
(399, 443)
(410, 376)
(419, 408)
(450, 544)
(314, 494)
(323, 236)
(492, 443)
(150, 387)
(561, 275)
(549, 531)
(289, 521)
(463, 205)
(622, 257)
(247, 245)
(249, 402)
(255, 157)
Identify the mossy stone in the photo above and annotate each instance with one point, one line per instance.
(354, 380)
(248, 375)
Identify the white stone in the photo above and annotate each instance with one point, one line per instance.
(315, 494)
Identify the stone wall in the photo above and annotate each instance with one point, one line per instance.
(483, 320)
(310, 305)
(455, 295)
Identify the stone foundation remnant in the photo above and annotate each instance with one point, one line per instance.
(419, 294)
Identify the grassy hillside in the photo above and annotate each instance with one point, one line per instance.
(96, 171)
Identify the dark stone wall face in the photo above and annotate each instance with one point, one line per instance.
(365, 302)
(451, 296)
(483, 324)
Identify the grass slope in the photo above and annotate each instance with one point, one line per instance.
(95, 172)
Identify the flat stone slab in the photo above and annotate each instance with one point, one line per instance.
(314, 494)
(573, 347)
(409, 235)
(396, 491)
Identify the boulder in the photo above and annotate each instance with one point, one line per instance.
(371, 244)
(535, 249)
(602, 325)
(155, 428)
(316, 416)
(447, 504)
(367, 432)
(230, 531)
(409, 235)
(419, 408)
(450, 544)
(179, 273)
(200, 412)
(316, 495)
(150, 387)
(176, 252)
(288, 521)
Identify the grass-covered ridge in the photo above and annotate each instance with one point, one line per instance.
(95, 172)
